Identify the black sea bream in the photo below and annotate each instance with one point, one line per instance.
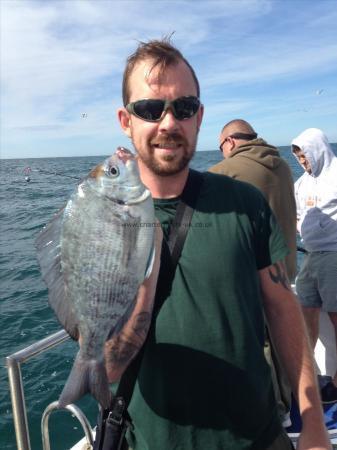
(94, 255)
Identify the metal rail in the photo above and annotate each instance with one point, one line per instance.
(76, 412)
(13, 363)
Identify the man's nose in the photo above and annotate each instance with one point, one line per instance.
(168, 121)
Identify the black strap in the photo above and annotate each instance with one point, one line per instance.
(112, 425)
(183, 217)
(178, 232)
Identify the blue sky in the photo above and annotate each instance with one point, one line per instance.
(271, 62)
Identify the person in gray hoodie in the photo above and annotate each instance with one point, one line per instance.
(316, 201)
(251, 159)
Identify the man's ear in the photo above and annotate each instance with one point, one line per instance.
(124, 120)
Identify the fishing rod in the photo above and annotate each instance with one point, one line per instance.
(57, 173)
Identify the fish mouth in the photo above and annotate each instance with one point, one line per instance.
(124, 154)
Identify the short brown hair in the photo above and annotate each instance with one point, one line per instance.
(162, 53)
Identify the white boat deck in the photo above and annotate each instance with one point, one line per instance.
(325, 351)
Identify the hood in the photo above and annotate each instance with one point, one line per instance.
(316, 148)
(259, 151)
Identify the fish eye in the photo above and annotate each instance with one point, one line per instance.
(113, 171)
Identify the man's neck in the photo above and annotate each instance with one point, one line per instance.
(163, 186)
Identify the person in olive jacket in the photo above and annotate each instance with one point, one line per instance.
(251, 159)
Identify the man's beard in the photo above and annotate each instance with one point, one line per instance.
(169, 164)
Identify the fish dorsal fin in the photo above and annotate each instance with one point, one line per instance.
(49, 257)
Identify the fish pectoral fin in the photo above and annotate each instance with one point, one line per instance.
(86, 376)
(150, 263)
(122, 321)
(49, 257)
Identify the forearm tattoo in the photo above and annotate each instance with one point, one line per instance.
(120, 352)
(278, 275)
(141, 324)
(123, 347)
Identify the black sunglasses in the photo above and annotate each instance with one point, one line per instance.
(245, 136)
(152, 110)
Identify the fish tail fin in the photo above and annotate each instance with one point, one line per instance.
(86, 376)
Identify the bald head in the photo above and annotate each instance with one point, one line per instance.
(235, 133)
(238, 126)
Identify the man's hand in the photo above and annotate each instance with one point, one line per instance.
(310, 441)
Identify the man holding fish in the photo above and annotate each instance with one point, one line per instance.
(203, 381)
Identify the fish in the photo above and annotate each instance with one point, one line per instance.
(94, 255)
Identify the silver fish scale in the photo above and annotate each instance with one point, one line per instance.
(103, 262)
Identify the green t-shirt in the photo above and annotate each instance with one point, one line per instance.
(204, 383)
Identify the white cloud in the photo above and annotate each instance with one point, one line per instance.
(60, 58)
(270, 65)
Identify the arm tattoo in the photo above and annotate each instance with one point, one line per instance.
(141, 324)
(121, 351)
(123, 347)
(279, 276)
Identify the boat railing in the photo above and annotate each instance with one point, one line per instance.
(13, 363)
(75, 410)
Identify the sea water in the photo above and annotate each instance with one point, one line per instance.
(24, 312)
